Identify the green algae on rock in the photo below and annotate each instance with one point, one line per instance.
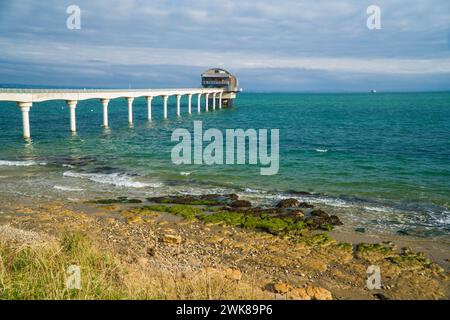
(374, 251)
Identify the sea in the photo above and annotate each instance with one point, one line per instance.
(380, 161)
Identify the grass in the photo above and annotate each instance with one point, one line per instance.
(40, 272)
(28, 273)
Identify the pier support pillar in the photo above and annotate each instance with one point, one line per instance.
(130, 110)
(178, 104)
(214, 100)
(72, 106)
(220, 100)
(206, 101)
(25, 108)
(149, 108)
(199, 102)
(105, 103)
(189, 103)
(165, 106)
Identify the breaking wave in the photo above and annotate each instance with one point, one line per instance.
(115, 179)
(64, 188)
(24, 163)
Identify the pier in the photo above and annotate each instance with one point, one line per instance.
(26, 97)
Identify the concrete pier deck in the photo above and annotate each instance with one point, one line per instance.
(26, 97)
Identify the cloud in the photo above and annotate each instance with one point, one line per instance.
(74, 54)
(325, 37)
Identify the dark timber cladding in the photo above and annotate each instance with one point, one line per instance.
(220, 78)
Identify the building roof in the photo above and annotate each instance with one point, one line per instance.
(216, 72)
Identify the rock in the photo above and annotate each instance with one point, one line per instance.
(380, 296)
(361, 230)
(77, 161)
(134, 219)
(321, 220)
(123, 200)
(233, 274)
(214, 239)
(240, 203)
(315, 264)
(151, 251)
(403, 232)
(298, 214)
(373, 252)
(204, 199)
(319, 213)
(110, 207)
(279, 213)
(211, 270)
(259, 211)
(111, 220)
(334, 220)
(305, 205)
(288, 203)
(299, 294)
(143, 262)
(281, 287)
(233, 196)
(299, 193)
(171, 239)
(318, 293)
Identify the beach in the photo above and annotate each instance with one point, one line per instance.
(162, 251)
(365, 175)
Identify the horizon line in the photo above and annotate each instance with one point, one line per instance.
(32, 86)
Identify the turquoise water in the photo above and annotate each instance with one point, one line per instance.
(380, 160)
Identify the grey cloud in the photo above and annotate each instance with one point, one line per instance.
(137, 41)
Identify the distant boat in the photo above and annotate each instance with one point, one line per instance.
(373, 91)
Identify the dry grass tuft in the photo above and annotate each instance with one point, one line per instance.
(40, 272)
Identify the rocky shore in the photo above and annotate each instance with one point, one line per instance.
(280, 252)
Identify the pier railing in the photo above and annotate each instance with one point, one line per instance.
(71, 90)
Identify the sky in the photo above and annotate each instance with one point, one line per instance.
(284, 45)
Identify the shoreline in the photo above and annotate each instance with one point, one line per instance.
(371, 215)
(293, 262)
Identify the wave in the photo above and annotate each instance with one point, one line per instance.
(185, 173)
(322, 150)
(378, 209)
(116, 179)
(24, 163)
(442, 219)
(64, 188)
